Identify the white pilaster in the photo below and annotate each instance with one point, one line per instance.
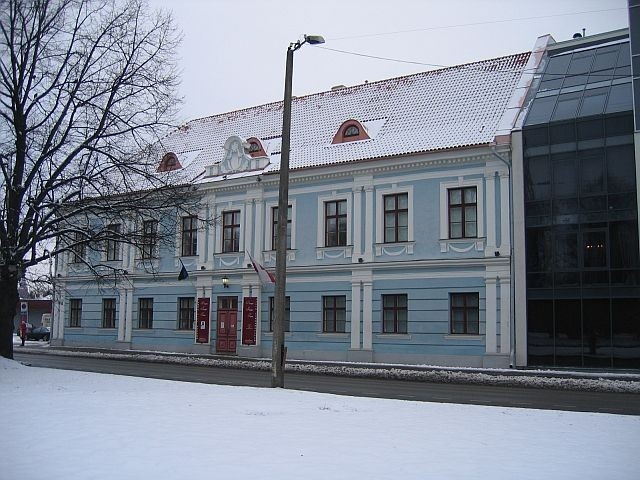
(491, 315)
(369, 223)
(122, 314)
(490, 181)
(367, 316)
(248, 227)
(258, 237)
(355, 315)
(505, 313)
(202, 236)
(505, 231)
(356, 224)
(58, 314)
(128, 314)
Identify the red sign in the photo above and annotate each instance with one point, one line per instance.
(249, 320)
(202, 320)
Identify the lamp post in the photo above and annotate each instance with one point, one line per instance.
(278, 349)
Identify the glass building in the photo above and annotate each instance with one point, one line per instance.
(581, 211)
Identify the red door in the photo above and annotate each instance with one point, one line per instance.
(227, 325)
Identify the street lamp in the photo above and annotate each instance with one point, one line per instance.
(278, 350)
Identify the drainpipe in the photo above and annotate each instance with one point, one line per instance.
(512, 300)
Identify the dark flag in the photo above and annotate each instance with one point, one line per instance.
(183, 272)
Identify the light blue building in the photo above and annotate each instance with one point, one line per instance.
(400, 244)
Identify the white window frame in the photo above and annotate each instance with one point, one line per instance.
(461, 182)
(269, 206)
(321, 224)
(393, 190)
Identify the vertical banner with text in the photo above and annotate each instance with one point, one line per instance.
(249, 320)
(202, 320)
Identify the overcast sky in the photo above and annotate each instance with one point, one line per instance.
(233, 52)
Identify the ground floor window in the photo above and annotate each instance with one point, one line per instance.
(465, 313)
(108, 313)
(145, 313)
(334, 314)
(76, 312)
(185, 313)
(287, 313)
(394, 313)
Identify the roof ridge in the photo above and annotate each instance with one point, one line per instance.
(359, 85)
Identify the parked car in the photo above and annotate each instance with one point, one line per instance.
(39, 333)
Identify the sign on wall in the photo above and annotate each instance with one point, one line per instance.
(202, 320)
(249, 320)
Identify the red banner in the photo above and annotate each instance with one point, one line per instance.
(202, 320)
(249, 320)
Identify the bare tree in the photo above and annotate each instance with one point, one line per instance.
(86, 88)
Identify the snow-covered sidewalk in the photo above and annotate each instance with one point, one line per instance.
(75, 425)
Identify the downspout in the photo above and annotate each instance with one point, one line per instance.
(512, 330)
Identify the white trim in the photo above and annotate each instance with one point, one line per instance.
(268, 215)
(355, 315)
(367, 316)
(505, 231)
(380, 194)
(321, 234)
(230, 207)
(505, 313)
(444, 207)
(491, 314)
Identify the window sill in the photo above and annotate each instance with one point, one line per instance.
(333, 253)
(461, 245)
(394, 336)
(394, 249)
(461, 336)
(334, 335)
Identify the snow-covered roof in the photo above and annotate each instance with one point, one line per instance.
(450, 108)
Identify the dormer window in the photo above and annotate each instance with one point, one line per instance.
(169, 162)
(350, 131)
(255, 148)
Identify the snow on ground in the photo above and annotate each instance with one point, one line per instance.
(75, 425)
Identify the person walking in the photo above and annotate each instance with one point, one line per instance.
(23, 331)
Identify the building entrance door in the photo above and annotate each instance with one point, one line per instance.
(226, 337)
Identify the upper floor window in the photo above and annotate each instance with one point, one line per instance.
(113, 246)
(231, 231)
(287, 313)
(465, 313)
(350, 131)
(78, 248)
(149, 238)
(394, 313)
(255, 148)
(463, 221)
(396, 218)
(108, 313)
(334, 314)
(75, 318)
(335, 223)
(274, 227)
(189, 236)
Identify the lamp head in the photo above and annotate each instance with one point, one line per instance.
(225, 281)
(314, 39)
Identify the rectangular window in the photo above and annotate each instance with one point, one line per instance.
(396, 218)
(231, 231)
(75, 306)
(145, 313)
(465, 313)
(394, 313)
(334, 314)
(113, 246)
(149, 238)
(335, 223)
(189, 236)
(78, 248)
(108, 313)
(185, 313)
(463, 221)
(274, 227)
(287, 313)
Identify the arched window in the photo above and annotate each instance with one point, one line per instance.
(350, 131)
(255, 148)
(169, 162)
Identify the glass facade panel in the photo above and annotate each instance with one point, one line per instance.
(620, 98)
